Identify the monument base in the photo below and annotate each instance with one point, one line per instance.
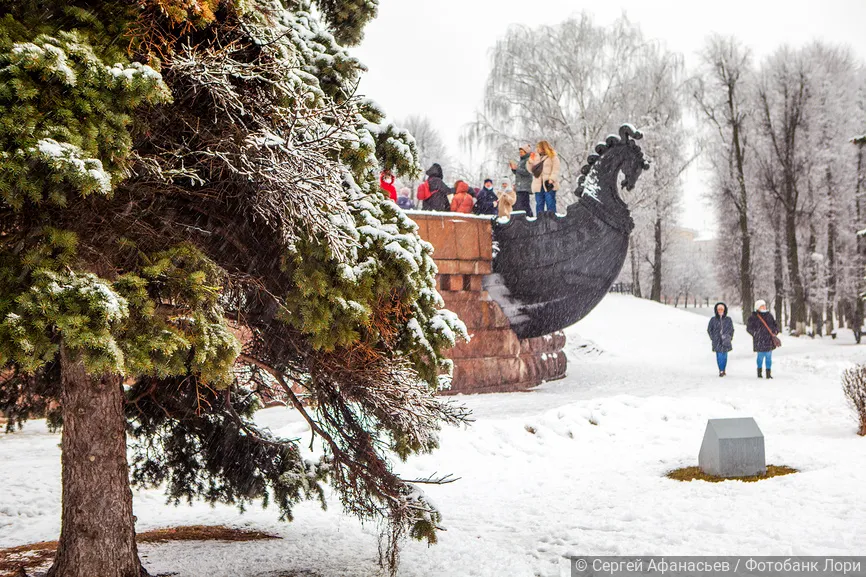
(495, 360)
(732, 448)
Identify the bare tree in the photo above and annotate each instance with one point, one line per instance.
(665, 203)
(805, 99)
(831, 176)
(783, 95)
(687, 273)
(573, 84)
(721, 92)
(428, 140)
(860, 188)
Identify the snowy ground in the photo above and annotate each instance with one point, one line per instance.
(590, 479)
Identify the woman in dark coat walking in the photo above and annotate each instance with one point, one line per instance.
(763, 328)
(721, 331)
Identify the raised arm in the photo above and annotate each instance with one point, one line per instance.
(521, 169)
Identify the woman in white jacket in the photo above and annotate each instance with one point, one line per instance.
(544, 166)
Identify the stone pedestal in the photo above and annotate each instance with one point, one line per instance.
(733, 448)
(495, 360)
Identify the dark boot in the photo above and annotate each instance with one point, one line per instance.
(769, 374)
(760, 373)
(721, 373)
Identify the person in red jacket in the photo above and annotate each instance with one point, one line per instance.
(386, 182)
(462, 201)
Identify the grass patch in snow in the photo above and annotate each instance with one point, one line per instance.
(695, 474)
(202, 533)
(14, 561)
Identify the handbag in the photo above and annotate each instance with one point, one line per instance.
(776, 342)
(538, 169)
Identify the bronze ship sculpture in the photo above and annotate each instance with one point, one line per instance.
(551, 271)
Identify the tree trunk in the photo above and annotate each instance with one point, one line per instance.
(832, 277)
(813, 291)
(746, 285)
(656, 294)
(798, 299)
(857, 321)
(97, 536)
(635, 269)
(782, 132)
(778, 276)
(861, 251)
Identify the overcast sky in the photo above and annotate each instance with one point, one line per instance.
(431, 57)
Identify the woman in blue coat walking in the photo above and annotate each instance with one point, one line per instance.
(721, 331)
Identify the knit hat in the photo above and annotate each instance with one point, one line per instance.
(759, 304)
(404, 192)
(486, 180)
(526, 147)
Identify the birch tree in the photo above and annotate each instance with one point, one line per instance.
(783, 97)
(574, 83)
(722, 93)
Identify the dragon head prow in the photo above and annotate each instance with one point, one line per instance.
(625, 156)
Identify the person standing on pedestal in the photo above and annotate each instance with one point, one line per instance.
(522, 180)
(544, 166)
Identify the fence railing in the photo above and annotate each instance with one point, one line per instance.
(624, 288)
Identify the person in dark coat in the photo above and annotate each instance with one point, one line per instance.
(522, 180)
(721, 331)
(487, 202)
(434, 192)
(404, 201)
(762, 336)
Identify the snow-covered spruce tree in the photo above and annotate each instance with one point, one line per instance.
(190, 221)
